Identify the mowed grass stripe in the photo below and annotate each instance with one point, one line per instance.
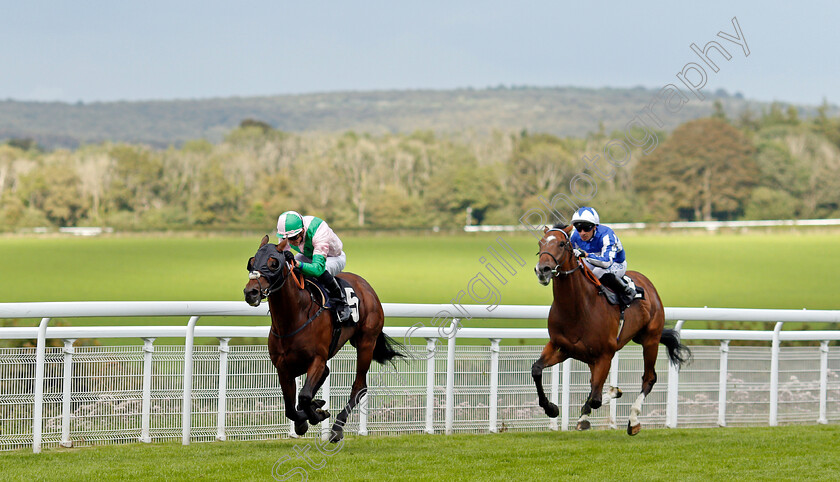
(763, 453)
(725, 270)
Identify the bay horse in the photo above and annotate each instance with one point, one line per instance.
(584, 326)
(301, 336)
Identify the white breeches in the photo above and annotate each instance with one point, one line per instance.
(618, 269)
(334, 264)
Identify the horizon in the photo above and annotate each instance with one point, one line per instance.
(714, 94)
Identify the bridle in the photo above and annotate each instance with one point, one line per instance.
(272, 287)
(557, 272)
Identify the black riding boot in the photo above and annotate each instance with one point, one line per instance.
(337, 298)
(623, 291)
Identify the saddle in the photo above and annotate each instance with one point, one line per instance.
(613, 298)
(322, 297)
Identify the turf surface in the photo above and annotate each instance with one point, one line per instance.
(761, 453)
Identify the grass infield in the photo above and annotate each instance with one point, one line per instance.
(765, 453)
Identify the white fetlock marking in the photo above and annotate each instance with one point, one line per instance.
(636, 410)
(611, 393)
(583, 418)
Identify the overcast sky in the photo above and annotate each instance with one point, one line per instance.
(126, 50)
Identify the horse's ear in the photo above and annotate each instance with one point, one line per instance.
(250, 265)
(264, 241)
(567, 230)
(545, 229)
(281, 246)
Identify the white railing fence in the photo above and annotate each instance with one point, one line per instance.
(87, 395)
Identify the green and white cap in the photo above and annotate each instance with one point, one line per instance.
(289, 224)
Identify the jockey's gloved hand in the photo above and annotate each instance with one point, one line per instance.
(290, 257)
(579, 253)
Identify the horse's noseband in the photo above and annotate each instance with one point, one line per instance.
(557, 272)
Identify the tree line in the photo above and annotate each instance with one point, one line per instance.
(766, 165)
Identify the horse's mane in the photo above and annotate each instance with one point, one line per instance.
(559, 226)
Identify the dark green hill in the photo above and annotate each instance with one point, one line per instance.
(564, 111)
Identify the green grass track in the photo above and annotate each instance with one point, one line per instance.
(726, 454)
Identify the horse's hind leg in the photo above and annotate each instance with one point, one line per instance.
(650, 349)
(313, 377)
(598, 371)
(363, 359)
(550, 356)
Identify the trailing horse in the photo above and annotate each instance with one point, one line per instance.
(584, 326)
(304, 336)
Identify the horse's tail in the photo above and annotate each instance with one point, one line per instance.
(387, 349)
(677, 352)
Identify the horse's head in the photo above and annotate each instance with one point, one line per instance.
(555, 255)
(267, 272)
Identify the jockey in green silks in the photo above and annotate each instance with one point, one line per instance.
(318, 254)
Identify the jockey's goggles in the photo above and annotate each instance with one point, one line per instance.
(584, 227)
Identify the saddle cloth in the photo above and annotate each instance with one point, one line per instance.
(320, 293)
(313, 286)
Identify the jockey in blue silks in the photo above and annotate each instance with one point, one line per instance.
(601, 251)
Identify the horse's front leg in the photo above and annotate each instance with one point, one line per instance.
(314, 376)
(598, 371)
(550, 356)
(287, 385)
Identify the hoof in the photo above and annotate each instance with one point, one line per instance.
(318, 416)
(616, 392)
(336, 434)
(318, 403)
(301, 427)
(583, 425)
(551, 410)
(633, 430)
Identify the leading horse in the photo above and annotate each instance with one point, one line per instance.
(302, 331)
(584, 326)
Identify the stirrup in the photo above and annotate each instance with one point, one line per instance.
(347, 320)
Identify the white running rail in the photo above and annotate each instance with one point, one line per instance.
(471, 387)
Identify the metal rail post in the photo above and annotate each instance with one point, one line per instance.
(431, 344)
(494, 384)
(555, 393)
(186, 407)
(567, 394)
(823, 382)
(146, 407)
(450, 377)
(68, 390)
(614, 383)
(673, 388)
(724, 378)
(224, 349)
(38, 402)
(774, 375)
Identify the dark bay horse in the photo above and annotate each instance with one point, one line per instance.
(302, 331)
(584, 326)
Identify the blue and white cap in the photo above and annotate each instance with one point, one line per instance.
(586, 215)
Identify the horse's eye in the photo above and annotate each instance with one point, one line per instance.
(562, 243)
(273, 264)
